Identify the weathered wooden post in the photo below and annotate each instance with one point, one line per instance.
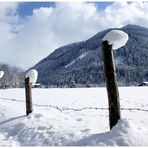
(28, 96)
(30, 80)
(111, 84)
(113, 39)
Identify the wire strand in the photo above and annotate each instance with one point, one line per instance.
(61, 109)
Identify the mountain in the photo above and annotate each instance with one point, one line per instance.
(13, 76)
(82, 62)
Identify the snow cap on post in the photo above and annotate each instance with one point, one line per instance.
(116, 38)
(32, 75)
(1, 74)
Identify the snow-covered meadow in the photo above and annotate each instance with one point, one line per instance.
(48, 126)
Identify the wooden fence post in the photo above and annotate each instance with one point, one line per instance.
(28, 96)
(111, 84)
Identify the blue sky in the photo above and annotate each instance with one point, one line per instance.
(26, 8)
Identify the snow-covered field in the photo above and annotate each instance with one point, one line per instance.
(49, 126)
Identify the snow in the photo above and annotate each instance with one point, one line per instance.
(1, 74)
(123, 134)
(116, 38)
(71, 63)
(79, 58)
(32, 74)
(49, 126)
(82, 55)
(145, 82)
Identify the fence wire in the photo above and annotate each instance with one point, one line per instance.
(61, 109)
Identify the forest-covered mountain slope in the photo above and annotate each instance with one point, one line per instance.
(82, 63)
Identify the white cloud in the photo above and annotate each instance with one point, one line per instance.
(49, 28)
(122, 13)
(8, 18)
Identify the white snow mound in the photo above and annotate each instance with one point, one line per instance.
(123, 134)
(116, 38)
(34, 130)
(32, 74)
(1, 74)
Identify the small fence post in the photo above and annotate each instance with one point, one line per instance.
(111, 84)
(28, 96)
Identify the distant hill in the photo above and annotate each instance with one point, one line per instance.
(82, 62)
(13, 77)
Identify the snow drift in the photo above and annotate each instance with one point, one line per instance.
(123, 134)
(34, 131)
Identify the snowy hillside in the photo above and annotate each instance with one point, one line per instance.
(73, 117)
(82, 62)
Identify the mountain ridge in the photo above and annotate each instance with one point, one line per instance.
(82, 61)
